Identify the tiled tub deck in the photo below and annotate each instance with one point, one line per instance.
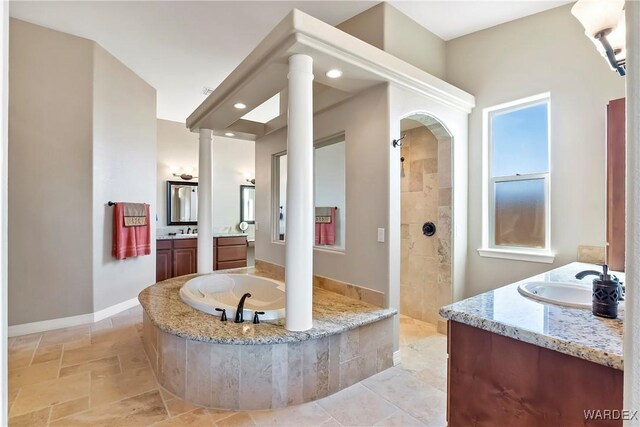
(245, 366)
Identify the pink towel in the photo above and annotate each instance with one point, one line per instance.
(326, 233)
(130, 241)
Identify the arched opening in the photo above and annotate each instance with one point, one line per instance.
(426, 239)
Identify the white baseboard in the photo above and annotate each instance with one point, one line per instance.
(115, 309)
(396, 358)
(67, 322)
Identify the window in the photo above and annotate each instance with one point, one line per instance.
(517, 174)
(329, 193)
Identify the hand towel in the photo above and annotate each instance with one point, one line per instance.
(130, 241)
(134, 214)
(325, 230)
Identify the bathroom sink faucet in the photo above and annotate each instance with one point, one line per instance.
(240, 309)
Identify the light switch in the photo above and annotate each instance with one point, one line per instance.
(381, 235)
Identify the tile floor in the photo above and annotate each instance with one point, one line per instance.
(99, 375)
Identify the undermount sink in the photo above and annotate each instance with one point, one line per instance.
(567, 294)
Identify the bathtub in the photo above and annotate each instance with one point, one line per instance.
(206, 293)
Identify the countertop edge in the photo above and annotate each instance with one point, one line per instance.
(562, 346)
(375, 316)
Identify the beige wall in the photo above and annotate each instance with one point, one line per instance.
(233, 161)
(386, 28)
(50, 176)
(364, 121)
(124, 169)
(540, 53)
(82, 132)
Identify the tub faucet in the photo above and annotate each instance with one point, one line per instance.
(240, 309)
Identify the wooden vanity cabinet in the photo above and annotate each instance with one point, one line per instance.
(229, 252)
(179, 257)
(163, 260)
(185, 255)
(176, 258)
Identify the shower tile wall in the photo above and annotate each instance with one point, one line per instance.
(425, 282)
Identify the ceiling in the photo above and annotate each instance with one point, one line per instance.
(179, 47)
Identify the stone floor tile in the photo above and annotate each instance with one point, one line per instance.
(357, 406)
(31, 419)
(33, 374)
(400, 418)
(307, 414)
(140, 410)
(71, 407)
(47, 353)
(111, 388)
(196, 418)
(99, 364)
(46, 393)
(178, 406)
(238, 420)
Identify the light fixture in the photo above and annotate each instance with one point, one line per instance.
(604, 25)
(239, 105)
(187, 174)
(334, 73)
(251, 181)
(229, 134)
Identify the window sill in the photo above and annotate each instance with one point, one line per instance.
(518, 255)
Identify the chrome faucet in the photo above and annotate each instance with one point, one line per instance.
(240, 309)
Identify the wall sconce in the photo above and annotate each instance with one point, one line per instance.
(187, 175)
(604, 25)
(251, 181)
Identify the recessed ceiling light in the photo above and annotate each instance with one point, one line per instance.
(229, 134)
(334, 73)
(240, 106)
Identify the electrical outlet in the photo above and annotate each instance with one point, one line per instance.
(381, 235)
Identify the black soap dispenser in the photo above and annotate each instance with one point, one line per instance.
(606, 292)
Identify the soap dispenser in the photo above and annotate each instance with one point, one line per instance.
(606, 292)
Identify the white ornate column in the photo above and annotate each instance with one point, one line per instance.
(632, 267)
(205, 202)
(300, 211)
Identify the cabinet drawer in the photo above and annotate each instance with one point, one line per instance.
(232, 264)
(163, 244)
(232, 253)
(185, 243)
(232, 241)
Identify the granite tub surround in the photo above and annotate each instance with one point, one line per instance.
(572, 331)
(245, 366)
(332, 314)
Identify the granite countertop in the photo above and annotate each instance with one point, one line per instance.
(195, 236)
(573, 331)
(332, 314)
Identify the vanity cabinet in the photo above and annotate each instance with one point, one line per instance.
(499, 381)
(179, 257)
(229, 252)
(176, 258)
(185, 255)
(163, 260)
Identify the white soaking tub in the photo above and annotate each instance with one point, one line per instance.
(206, 293)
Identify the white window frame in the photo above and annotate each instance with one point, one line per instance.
(489, 248)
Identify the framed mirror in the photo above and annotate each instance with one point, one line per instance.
(182, 203)
(248, 204)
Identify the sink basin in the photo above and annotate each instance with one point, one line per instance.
(567, 294)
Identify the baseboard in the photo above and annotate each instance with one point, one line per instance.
(115, 309)
(67, 322)
(396, 358)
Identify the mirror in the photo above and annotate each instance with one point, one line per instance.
(248, 204)
(182, 203)
(329, 164)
